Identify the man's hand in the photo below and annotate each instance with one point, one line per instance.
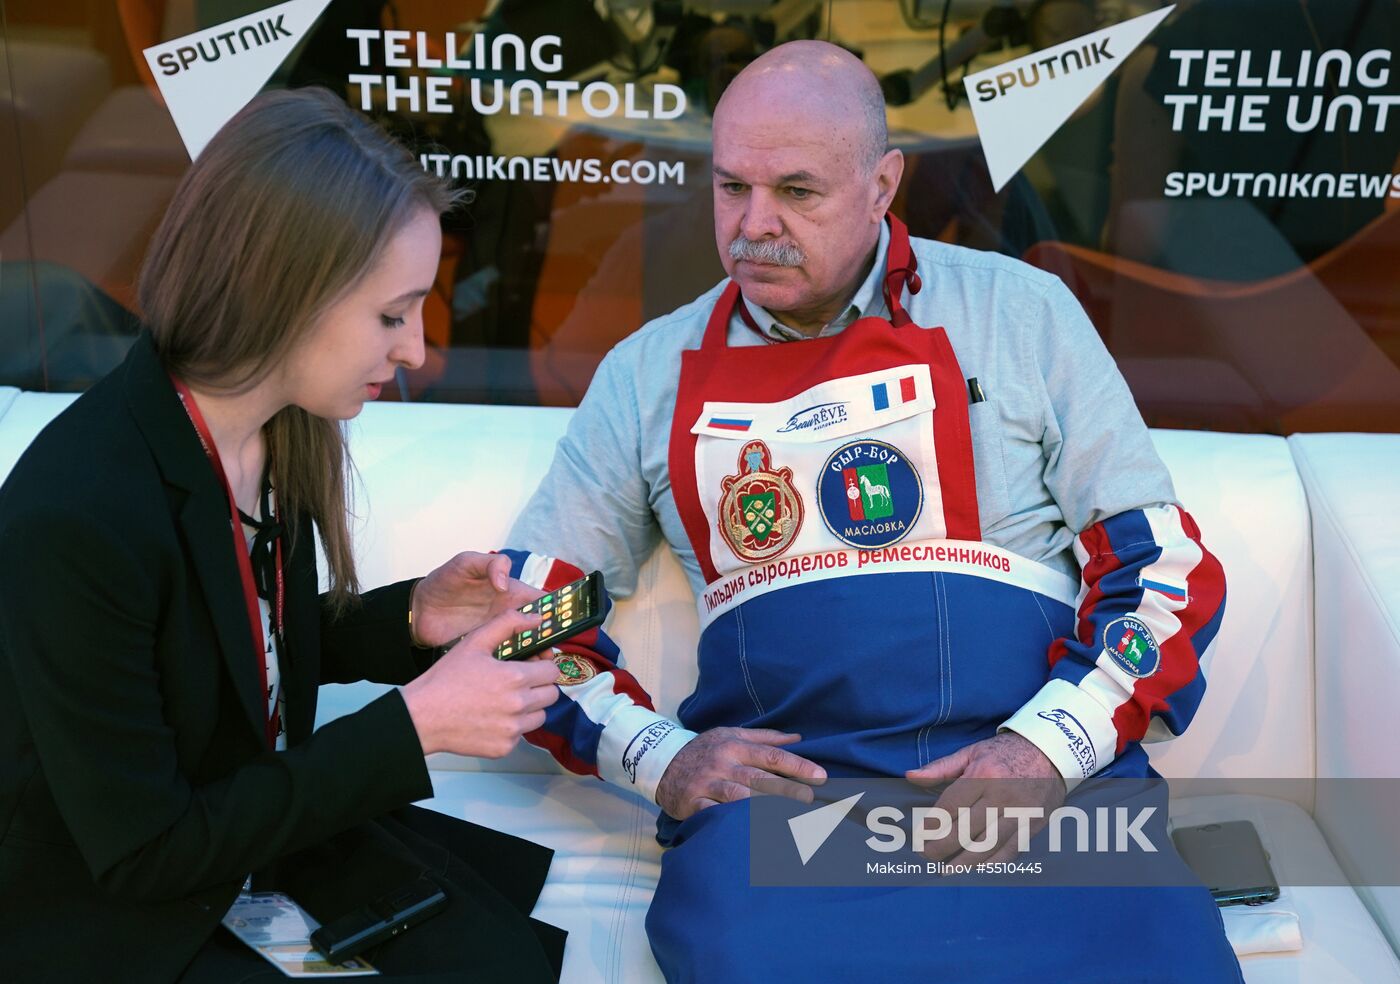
(1001, 772)
(464, 593)
(726, 764)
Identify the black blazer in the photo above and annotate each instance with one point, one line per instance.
(136, 789)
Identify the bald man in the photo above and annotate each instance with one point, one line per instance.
(928, 536)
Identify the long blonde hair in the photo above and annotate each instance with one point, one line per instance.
(285, 209)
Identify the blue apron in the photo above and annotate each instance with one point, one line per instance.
(827, 487)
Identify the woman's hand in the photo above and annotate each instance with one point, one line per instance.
(462, 594)
(471, 703)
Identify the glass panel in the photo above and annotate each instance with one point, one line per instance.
(590, 166)
(89, 207)
(20, 362)
(1224, 205)
(1228, 221)
(1235, 251)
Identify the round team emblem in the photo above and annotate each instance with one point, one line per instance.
(572, 670)
(759, 511)
(869, 494)
(1131, 645)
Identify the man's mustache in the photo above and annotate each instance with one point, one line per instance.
(767, 251)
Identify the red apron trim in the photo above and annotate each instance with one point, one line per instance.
(952, 436)
(716, 372)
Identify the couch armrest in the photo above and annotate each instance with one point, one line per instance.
(1351, 482)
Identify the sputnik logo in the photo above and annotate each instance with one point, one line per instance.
(1018, 105)
(208, 76)
(811, 830)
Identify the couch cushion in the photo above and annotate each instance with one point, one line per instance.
(1353, 485)
(1353, 488)
(1341, 942)
(454, 478)
(27, 415)
(436, 479)
(1256, 719)
(605, 867)
(607, 863)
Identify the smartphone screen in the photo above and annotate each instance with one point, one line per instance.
(564, 612)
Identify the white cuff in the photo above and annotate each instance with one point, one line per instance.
(636, 746)
(1070, 727)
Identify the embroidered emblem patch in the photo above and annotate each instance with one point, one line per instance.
(572, 671)
(869, 493)
(1129, 642)
(759, 510)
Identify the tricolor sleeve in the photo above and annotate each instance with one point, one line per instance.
(1149, 607)
(603, 723)
(1151, 595)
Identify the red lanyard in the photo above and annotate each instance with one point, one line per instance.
(245, 564)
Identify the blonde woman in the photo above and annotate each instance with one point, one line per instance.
(161, 635)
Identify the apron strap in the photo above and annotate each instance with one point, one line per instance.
(717, 328)
(951, 425)
(901, 270)
(952, 435)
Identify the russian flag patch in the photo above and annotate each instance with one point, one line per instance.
(1176, 592)
(893, 393)
(730, 423)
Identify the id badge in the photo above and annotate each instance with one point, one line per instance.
(279, 931)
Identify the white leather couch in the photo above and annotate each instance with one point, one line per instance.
(1304, 678)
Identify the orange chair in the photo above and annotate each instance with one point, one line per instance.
(142, 23)
(578, 315)
(1281, 355)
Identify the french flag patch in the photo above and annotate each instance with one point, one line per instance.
(1176, 592)
(731, 423)
(893, 393)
